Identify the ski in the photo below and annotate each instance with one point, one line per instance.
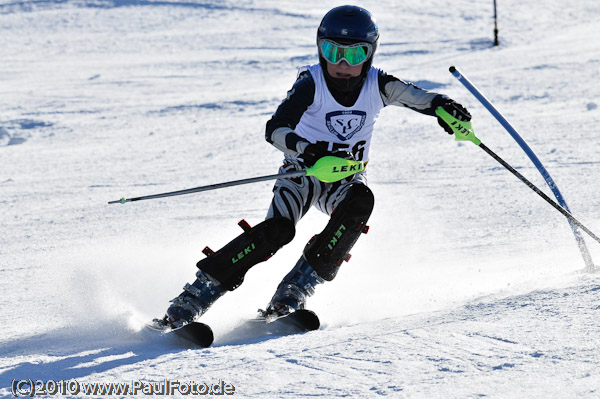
(199, 334)
(302, 320)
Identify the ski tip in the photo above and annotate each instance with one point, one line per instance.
(452, 69)
(197, 333)
(308, 318)
(302, 319)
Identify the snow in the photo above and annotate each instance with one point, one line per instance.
(467, 285)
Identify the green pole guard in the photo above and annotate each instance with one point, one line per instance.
(330, 169)
(463, 131)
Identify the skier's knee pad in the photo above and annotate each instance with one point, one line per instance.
(326, 251)
(229, 265)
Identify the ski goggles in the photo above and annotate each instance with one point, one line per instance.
(354, 54)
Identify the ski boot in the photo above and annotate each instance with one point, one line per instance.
(324, 254)
(292, 292)
(194, 301)
(224, 270)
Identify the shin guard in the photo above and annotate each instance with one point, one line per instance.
(229, 265)
(326, 251)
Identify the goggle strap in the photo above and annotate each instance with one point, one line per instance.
(354, 54)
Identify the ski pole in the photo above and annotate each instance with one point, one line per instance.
(463, 131)
(585, 254)
(328, 169)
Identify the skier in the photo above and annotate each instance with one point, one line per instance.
(330, 110)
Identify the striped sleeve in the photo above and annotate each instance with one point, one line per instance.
(280, 128)
(405, 94)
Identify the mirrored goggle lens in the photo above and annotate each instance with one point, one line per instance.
(355, 54)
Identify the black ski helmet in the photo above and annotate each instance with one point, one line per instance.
(347, 25)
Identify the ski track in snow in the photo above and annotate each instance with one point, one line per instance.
(462, 352)
(467, 284)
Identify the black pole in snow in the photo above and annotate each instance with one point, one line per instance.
(495, 25)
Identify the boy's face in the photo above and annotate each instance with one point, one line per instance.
(343, 70)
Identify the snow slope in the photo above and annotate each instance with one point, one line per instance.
(467, 284)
